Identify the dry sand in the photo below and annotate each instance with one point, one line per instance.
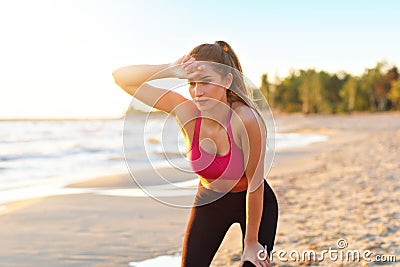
(347, 187)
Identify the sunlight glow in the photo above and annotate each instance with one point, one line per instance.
(57, 56)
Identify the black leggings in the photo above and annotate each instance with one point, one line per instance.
(209, 223)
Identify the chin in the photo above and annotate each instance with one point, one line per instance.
(204, 107)
(208, 105)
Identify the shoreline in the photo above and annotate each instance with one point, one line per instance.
(82, 229)
(57, 186)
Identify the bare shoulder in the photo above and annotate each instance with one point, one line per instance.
(244, 115)
(247, 122)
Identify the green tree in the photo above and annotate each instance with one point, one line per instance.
(394, 94)
(369, 84)
(376, 83)
(391, 77)
(348, 93)
(332, 85)
(312, 92)
(287, 96)
(305, 91)
(266, 91)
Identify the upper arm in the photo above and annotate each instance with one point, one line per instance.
(162, 99)
(132, 79)
(253, 140)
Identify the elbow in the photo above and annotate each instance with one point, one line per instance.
(116, 78)
(119, 81)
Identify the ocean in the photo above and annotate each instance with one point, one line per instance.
(40, 157)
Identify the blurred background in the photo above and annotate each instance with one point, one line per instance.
(57, 56)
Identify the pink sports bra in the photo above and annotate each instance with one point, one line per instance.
(209, 166)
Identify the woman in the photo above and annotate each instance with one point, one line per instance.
(225, 137)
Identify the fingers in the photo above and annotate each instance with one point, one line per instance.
(267, 261)
(192, 68)
(264, 256)
(257, 263)
(185, 58)
(188, 63)
(260, 263)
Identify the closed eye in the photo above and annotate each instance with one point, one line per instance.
(203, 82)
(200, 82)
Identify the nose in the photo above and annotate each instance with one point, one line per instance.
(198, 90)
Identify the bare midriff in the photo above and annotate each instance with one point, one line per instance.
(239, 186)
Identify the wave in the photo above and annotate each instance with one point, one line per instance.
(61, 154)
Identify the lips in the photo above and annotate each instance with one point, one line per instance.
(201, 102)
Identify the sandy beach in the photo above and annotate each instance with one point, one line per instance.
(345, 188)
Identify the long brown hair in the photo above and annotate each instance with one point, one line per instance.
(221, 52)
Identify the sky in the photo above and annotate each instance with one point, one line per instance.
(57, 56)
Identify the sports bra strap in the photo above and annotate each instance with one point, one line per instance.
(197, 129)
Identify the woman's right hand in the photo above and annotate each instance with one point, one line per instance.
(185, 67)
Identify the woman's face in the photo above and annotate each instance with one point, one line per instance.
(209, 89)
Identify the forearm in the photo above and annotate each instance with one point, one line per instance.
(254, 209)
(137, 74)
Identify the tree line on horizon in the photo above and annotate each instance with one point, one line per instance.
(310, 91)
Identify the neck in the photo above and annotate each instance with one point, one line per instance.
(215, 117)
